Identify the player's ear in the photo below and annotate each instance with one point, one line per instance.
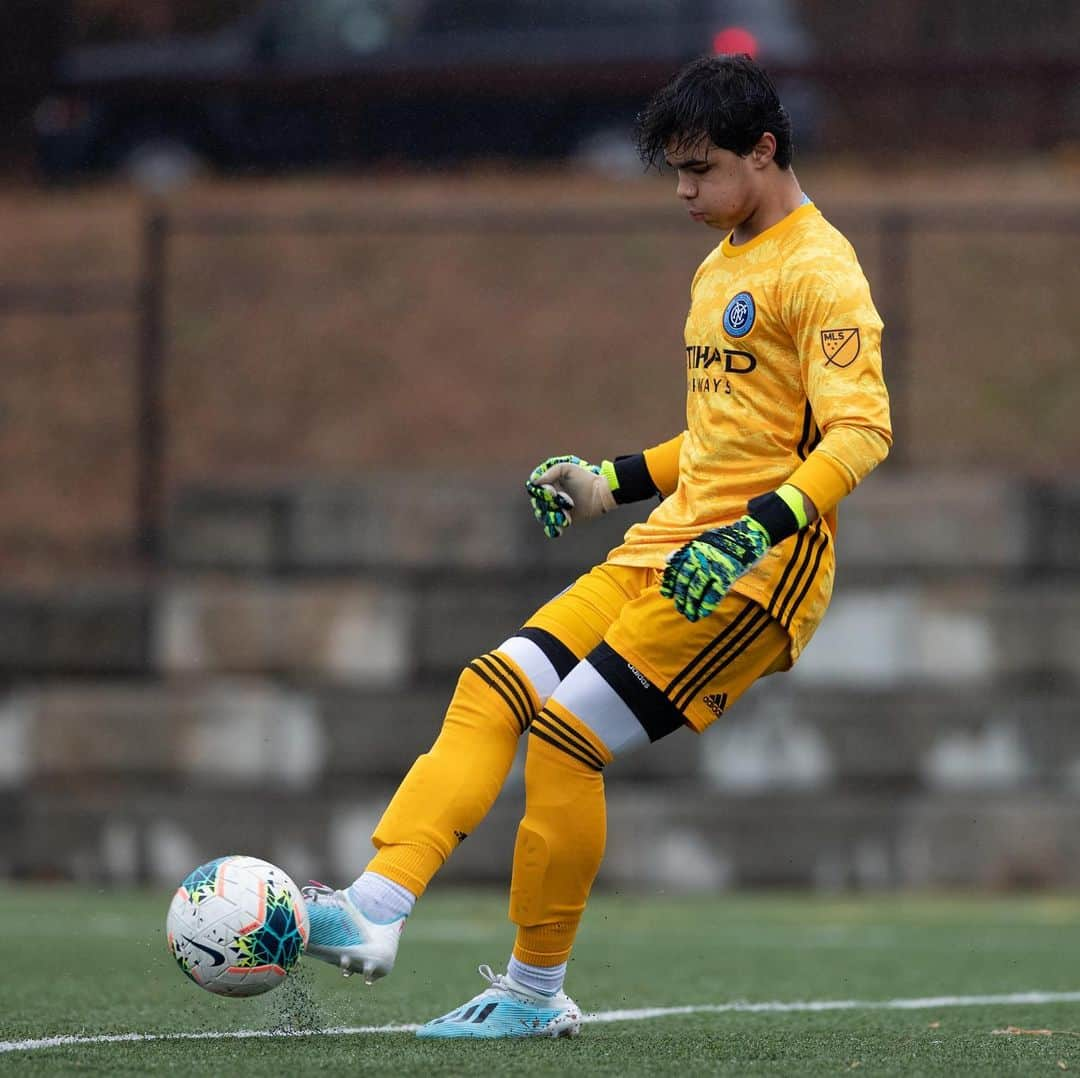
(764, 150)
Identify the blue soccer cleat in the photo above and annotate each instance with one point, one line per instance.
(344, 937)
(508, 1009)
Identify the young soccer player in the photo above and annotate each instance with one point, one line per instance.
(726, 581)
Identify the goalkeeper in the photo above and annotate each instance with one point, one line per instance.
(724, 583)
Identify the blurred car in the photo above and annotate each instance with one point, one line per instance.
(308, 83)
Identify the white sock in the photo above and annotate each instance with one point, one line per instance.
(545, 979)
(380, 899)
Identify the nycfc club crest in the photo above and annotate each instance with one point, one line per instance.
(739, 315)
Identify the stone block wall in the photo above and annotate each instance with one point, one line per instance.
(265, 694)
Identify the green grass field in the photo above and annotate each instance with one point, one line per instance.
(87, 964)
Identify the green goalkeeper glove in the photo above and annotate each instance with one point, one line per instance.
(561, 484)
(700, 573)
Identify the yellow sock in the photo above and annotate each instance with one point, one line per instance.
(450, 789)
(560, 841)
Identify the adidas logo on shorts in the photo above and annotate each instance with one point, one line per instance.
(716, 703)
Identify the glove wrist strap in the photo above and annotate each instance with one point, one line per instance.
(780, 512)
(629, 479)
(607, 470)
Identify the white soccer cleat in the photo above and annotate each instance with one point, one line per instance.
(341, 934)
(508, 1009)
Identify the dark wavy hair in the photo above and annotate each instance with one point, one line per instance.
(728, 98)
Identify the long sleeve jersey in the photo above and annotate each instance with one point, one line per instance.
(783, 384)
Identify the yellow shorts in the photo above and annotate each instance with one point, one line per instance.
(701, 667)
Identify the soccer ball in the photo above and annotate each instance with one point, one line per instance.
(237, 925)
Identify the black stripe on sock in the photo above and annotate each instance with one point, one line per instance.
(824, 542)
(535, 731)
(703, 656)
(511, 701)
(513, 676)
(577, 744)
(556, 652)
(520, 702)
(656, 713)
(559, 728)
(501, 669)
(732, 650)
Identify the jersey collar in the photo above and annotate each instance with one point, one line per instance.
(732, 250)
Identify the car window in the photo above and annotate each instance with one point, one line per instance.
(473, 15)
(301, 28)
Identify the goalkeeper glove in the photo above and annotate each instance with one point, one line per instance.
(700, 573)
(561, 484)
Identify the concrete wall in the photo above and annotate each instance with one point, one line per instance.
(267, 692)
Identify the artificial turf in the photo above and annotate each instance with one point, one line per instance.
(90, 962)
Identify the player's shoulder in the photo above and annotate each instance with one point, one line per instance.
(816, 249)
(815, 233)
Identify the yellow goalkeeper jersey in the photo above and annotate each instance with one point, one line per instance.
(783, 384)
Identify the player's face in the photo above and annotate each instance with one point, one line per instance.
(718, 186)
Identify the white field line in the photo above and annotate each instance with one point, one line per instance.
(640, 1015)
(825, 938)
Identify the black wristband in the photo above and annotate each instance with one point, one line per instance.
(774, 515)
(635, 483)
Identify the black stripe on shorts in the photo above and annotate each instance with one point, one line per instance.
(823, 542)
(778, 591)
(802, 556)
(708, 652)
(734, 646)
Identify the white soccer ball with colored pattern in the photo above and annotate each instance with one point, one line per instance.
(237, 925)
